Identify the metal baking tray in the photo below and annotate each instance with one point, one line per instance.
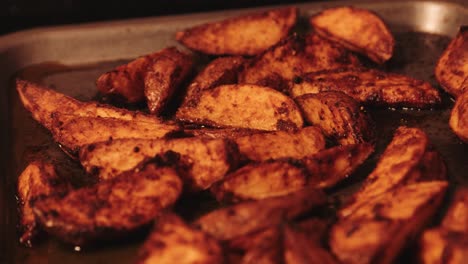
(71, 57)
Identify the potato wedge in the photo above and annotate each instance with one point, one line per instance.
(230, 133)
(260, 181)
(442, 246)
(338, 115)
(110, 208)
(244, 218)
(330, 166)
(370, 87)
(45, 103)
(163, 78)
(127, 81)
(459, 117)
(38, 180)
(247, 34)
(75, 132)
(223, 70)
(451, 70)
(279, 66)
(243, 106)
(281, 144)
(357, 29)
(209, 160)
(173, 241)
(401, 156)
(378, 231)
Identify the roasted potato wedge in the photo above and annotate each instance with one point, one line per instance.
(247, 34)
(45, 104)
(109, 208)
(281, 144)
(338, 115)
(248, 217)
(451, 70)
(357, 29)
(378, 230)
(173, 241)
(222, 70)
(370, 87)
(38, 180)
(260, 181)
(330, 166)
(459, 117)
(401, 156)
(231, 133)
(164, 77)
(208, 160)
(128, 81)
(75, 132)
(299, 249)
(279, 66)
(442, 246)
(243, 106)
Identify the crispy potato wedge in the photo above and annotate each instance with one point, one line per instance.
(244, 218)
(370, 87)
(45, 104)
(338, 115)
(128, 81)
(243, 106)
(299, 249)
(247, 34)
(442, 246)
(459, 117)
(281, 144)
(378, 230)
(164, 77)
(281, 64)
(260, 181)
(401, 156)
(451, 70)
(222, 70)
(357, 29)
(173, 241)
(75, 132)
(208, 160)
(213, 133)
(110, 208)
(38, 180)
(330, 166)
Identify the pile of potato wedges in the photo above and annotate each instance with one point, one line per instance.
(269, 127)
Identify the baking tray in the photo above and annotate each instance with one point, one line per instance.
(71, 57)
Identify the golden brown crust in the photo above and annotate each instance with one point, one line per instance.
(38, 180)
(338, 115)
(370, 87)
(163, 78)
(109, 208)
(451, 70)
(208, 160)
(459, 117)
(173, 241)
(279, 66)
(247, 34)
(357, 29)
(243, 106)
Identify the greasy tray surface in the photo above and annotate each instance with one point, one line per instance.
(100, 47)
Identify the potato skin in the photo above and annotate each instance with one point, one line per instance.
(459, 117)
(110, 208)
(370, 87)
(338, 115)
(451, 70)
(38, 180)
(243, 106)
(357, 29)
(247, 34)
(173, 241)
(294, 56)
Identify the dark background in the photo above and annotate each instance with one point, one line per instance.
(21, 14)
